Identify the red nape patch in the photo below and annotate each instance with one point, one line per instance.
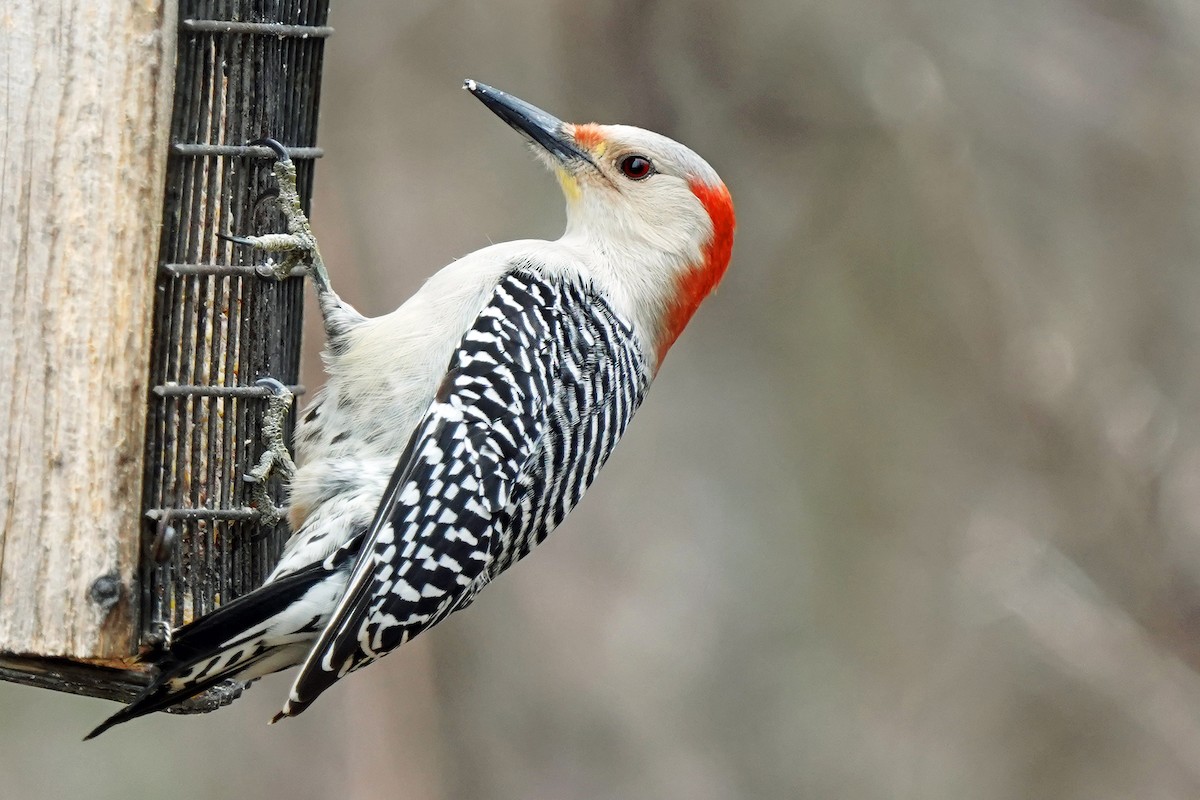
(588, 135)
(704, 277)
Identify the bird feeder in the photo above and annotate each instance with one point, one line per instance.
(132, 336)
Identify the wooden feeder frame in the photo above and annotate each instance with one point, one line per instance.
(244, 69)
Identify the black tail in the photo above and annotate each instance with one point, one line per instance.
(211, 636)
(156, 697)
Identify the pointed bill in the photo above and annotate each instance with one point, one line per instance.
(545, 130)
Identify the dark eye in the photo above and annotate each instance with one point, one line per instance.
(636, 167)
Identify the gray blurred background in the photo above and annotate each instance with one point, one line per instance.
(913, 510)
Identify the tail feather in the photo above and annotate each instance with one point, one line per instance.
(156, 697)
(242, 639)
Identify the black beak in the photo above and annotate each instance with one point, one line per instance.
(543, 129)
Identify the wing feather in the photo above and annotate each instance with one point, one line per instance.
(432, 540)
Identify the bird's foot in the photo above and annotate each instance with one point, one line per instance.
(296, 248)
(158, 639)
(276, 458)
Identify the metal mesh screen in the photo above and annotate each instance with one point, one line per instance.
(245, 70)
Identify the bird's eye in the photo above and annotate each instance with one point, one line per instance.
(636, 167)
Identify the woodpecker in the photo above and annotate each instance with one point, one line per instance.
(456, 432)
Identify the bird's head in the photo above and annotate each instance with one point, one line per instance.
(659, 212)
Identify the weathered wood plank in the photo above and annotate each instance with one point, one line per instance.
(84, 118)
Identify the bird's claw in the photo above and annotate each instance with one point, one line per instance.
(276, 386)
(278, 270)
(297, 247)
(242, 240)
(281, 153)
(160, 636)
(276, 456)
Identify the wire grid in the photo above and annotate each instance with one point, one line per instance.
(244, 70)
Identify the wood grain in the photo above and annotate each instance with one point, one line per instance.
(85, 100)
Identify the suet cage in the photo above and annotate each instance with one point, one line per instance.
(243, 70)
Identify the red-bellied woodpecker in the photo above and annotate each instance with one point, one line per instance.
(457, 431)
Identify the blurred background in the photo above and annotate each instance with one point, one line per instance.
(913, 510)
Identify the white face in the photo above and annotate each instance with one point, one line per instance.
(631, 191)
(656, 218)
(634, 188)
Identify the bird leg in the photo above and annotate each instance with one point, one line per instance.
(276, 455)
(297, 247)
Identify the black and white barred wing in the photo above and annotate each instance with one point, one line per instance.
(434, 535)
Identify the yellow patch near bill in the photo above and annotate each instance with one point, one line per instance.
(569, 183)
